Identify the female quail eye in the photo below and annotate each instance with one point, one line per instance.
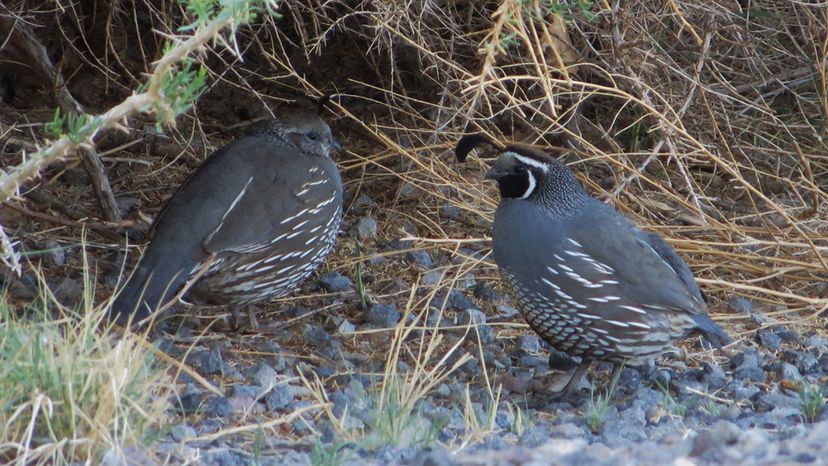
(313, 136)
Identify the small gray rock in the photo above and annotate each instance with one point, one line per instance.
(190, 400)
(748, 366)
(740, 305)
(180, 432)
(55, 254)
(432, 278)
(244, 390)
(467, 280)
(450, 212)
(454, 299)
(317, 336)
(68, 292)
(265, 376)
(279, 397)
(421, 258)
(383, 315)
(772, 400)
(208, 362)
(714, 376)
(222, 457)
(806, 362)
(786, 371)
(471, 316)
(529, 344)
(363, 201)
(533, 360)
(125, 204)
(485, 292)
(534, 437)
(218, 407)
(769, 339)
(742, 391)
(436, 455)
(366, 227)
(335, 282)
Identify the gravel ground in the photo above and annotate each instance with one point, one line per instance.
(740, 406)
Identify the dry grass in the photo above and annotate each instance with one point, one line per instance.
(69, 392)
(703, 121)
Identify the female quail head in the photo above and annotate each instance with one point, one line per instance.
(251, 223)
(586, 279)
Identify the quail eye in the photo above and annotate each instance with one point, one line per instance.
(313, 135)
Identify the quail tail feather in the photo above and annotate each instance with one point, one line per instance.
(154, 281)
(712, 331)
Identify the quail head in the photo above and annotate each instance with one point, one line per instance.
(584, 277)
(250, 224)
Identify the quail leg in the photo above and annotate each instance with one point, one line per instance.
(615, 376)
(568, 390)
(236, 324)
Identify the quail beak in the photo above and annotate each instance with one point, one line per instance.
(494, 174)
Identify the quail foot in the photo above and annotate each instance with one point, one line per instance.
(250, 224)
(587, 280)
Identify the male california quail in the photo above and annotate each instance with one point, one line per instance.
(586, 279)
(251, 223)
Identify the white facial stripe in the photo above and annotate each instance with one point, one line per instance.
(527, 161)
(532, 184)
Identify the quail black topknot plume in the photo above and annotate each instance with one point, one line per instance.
(254, 220)
(585, 278)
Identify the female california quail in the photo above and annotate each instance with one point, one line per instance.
(251, 223)
(586, 279)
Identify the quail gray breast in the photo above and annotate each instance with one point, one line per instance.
(584, 277)
(250, 224)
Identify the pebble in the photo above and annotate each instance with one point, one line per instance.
(449, 212)
(436, 455)
(317, 336)
(807, 363)
(180, 432)
(207, 362)
(265, 376)
(383, 315)
(421, 258)
(454, 299)
(239, 390)
(335, 282)
(486, 293)
(748, 367)
(190, 400)
(432, 278)
(68, 292)
(362, 201)
(366, 227)
(769, 339)
(218, 407)
(55, 254)
(714, 376)
(529, 344)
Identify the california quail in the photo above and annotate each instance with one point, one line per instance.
(586, 279)
(251, 223)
